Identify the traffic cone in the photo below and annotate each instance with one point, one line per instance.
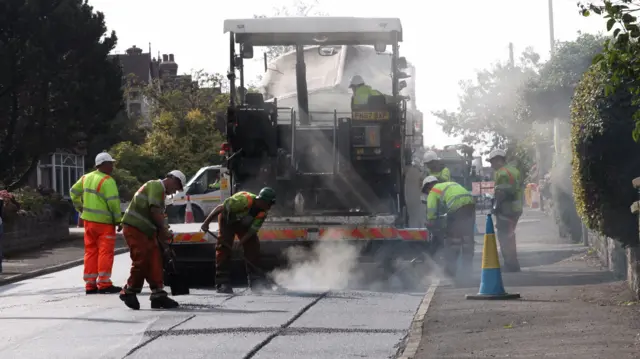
(188, 212)
(491, 286)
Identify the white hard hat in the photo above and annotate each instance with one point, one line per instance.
(356, 81)
(180, 176)
(429, 179)
(496, 153)
(102, 158)
(430, 156)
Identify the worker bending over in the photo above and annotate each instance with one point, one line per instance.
(436, 168)
(507, 206)
(240, 215)
(457, 230)
(95, 196)
(148, 238)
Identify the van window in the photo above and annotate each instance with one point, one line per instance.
(208, 181)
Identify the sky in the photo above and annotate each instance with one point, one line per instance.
(446, 43)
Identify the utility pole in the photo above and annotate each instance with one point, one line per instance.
(512, 62)
(552, 39)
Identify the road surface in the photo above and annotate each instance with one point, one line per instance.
(51, 317)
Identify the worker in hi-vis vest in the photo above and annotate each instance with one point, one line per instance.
(436, 168)
(451, 213)
(362, 92)
(148, 237)
(95, 196)
(241, 216)
(507, 206)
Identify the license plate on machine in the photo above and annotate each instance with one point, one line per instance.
(370, 116)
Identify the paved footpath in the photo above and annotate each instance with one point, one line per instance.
(57, 256)
(570, 308)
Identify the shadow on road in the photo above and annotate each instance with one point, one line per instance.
(99, 320)
(209, 308)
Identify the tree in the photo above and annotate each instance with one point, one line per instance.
(185, 131)
(489, 109)
(57, 85)
(622, 51)
(488, 106)
(549, 95)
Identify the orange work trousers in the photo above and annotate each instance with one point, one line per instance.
(226, 236)
(99, 247)
(146, 261)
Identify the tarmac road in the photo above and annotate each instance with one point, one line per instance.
(51, 317)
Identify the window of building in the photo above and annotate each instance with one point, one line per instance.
(135, 109)
(61, 172)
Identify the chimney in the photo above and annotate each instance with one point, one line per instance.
(171, 57)
(165, 58)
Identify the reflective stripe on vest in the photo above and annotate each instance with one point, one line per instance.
(249, 198)
(140, 199)
(449, 203)
(99, 212)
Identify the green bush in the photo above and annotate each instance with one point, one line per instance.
(605, 157)
(128, 184)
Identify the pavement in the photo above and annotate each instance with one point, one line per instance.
(57, 256)
(570, 308)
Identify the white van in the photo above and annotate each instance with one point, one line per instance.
(206, 189)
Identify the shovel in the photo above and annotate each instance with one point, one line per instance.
(259, 271)
(174, 279)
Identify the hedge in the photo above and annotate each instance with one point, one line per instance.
(605, 158)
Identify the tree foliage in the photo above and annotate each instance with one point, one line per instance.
(490, 109)
(489, 105)
(548, 95)
(57, 86)
(621, 55)
(604, 156)
(183, 135)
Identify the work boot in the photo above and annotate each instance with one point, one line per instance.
(163, 302)
(110, 290)
(91, 291)
(130, 300)
(224, 288)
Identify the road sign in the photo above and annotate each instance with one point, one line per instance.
(478, 188)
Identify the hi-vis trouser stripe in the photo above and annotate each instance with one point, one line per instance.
(329, 233)
(90, 280)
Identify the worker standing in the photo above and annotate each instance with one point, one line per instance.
(507, 206)
(147, 236)
(240, 215)
(95, 196)
(436, 167)
(456, 232)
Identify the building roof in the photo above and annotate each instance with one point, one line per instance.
(136, 64)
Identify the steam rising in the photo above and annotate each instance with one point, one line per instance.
(330, 265)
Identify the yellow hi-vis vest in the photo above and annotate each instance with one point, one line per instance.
(445, 198)
(442, 176)
(96, 197)
(362, 93)
(508, 179)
